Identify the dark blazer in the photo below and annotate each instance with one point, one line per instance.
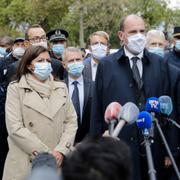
(114, 82)
(56, 66)
(83, 129)
(87, 72)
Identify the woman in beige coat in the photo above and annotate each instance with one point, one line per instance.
(40, 116)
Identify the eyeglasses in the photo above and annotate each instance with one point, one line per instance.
(38, 39)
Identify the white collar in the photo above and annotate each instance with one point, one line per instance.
(79, 80)
(130, 55)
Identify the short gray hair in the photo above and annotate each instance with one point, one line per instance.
(70, 49)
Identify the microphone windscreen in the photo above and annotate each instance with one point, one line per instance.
(112, 112)
(166, 105)
(144, 120)
(129, 112)
(153, 105)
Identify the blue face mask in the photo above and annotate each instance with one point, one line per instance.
(99, 51)
(42, 70)
(177, 45)
(58, 49)
(75, 69)
(157, 50)
(3, 51)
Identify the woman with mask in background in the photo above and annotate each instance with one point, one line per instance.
(40, 116)
(156, 42)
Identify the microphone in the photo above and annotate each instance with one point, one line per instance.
(129, 115)
(166, 107)
(112, 115)
(153, 106)
(144, 122)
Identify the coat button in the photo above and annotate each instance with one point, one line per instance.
(31, 124)
(130, 85)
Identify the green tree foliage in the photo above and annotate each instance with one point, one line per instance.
(17, 15)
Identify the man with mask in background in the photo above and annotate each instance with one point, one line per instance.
(156, 42)
(80, 89)
(36, 36)
(173, 56)
(6, 44)
(58, 42)
(98, 45)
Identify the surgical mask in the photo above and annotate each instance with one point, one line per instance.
(177, 45)
(42, 70)
(3, 51)
(42, 43)
(75, 69)
(99, 51)
(18, 52)
(157, 50)
(58, 49)
(136, 43)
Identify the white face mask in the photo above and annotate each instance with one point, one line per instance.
(99, 51)
(18, 52)
(42, 43)
(136, 43)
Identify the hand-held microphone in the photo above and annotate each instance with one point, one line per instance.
(166, 107)
(128, 115)
(153, 106)
(112, 115)
(144, 123)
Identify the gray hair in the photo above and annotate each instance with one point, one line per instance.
(70, 49)
(154, 33)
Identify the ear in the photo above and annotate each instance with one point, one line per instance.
(64, 65)
(30, 67)
(121, 35)
(26, 44)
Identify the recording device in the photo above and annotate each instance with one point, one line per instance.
(166, 107)
(144, 122)
(128, 115)
(153, 106)
(112, 115)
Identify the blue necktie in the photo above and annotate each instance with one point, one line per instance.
(75, 100)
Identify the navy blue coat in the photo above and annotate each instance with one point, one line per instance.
(114, 82)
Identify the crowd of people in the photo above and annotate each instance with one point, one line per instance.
(53, 98)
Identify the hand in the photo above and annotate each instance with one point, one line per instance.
(59, 157)
(167, 162)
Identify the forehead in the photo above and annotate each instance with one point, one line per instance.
(71, 55)
(36, 32)
(133, 23)
(156, 40)
(43, 55)
(97, 38)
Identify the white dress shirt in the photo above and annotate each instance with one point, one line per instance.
(80, 86)
(139, 62)
(94, 66)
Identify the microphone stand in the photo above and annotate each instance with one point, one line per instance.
(173, 123)
(147, 144)
(167, 148)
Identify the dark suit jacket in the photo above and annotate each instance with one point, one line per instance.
(87, 72)
(114, 82)
(83, 129)
(56, 66)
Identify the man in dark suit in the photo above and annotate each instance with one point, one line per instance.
(131, 74)
(80, 89)
(99, 47)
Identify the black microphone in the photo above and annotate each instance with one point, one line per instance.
(166, 107)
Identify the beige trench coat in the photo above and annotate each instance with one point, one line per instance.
(34, 127)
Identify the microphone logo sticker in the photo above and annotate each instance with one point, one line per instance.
(153, 104)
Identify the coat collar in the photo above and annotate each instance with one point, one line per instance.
(34, 101)
(121, 57)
